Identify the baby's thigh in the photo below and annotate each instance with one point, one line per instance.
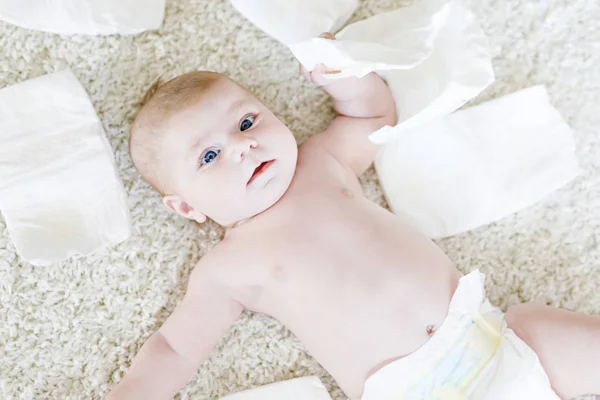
(567, 344)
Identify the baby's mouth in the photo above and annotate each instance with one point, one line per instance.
(259, 170)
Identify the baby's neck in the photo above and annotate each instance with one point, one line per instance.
(231, 227)
(237, 224)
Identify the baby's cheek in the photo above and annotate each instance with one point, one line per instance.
(226, 185)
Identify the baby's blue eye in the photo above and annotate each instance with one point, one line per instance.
(209, 156)
(246, 123)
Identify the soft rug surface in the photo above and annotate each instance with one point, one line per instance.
(69, 331)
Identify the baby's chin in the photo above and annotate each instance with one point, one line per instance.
(262, 202)
(266, 202)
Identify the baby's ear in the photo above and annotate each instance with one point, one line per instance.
(177, 205)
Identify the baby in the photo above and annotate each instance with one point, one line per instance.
(381, 307)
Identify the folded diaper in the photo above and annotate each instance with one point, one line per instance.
(60, 193)
(90, 17)
(306, 388)
(478, 165)
(292, 21)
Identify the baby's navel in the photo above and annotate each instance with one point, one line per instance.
(430, 329)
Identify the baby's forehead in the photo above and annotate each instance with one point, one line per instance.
(213, 107)
(228, 94)
(222, 100)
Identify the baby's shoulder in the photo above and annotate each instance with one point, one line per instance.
(212, 264)
(225, 265)
(315, 156)
(230, 270)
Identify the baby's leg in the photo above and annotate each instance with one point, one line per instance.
(567, 344)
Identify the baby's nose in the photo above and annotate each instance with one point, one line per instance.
(242, 145)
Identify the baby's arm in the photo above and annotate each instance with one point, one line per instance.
(364, 105)
(175, 352)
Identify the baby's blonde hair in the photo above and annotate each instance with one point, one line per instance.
(159, 103)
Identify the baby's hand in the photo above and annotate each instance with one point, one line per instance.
(316, 75)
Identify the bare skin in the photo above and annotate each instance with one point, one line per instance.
(358, 307)
(356, 285)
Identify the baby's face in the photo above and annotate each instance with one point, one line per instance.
(226, 156)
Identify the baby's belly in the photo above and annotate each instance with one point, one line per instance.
(353, 331)
(356, 286)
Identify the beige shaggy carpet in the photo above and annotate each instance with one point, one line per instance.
(69, 331)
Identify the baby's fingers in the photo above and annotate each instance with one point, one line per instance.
(316, 75)
(319, 75)
(304, 72)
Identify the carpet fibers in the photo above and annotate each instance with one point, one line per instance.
(69, 331)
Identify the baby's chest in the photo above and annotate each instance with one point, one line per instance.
(323, 226)
(321, 217)
(322, 194)
(327, 258)
(322, 240)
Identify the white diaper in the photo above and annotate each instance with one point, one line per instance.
(305, 388)
(473, 355)
(292, 21)
(60, 192)
(432, 54)
(88, 17)
(478, 165)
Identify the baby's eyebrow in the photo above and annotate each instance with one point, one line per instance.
(236, 106)
(193, 148)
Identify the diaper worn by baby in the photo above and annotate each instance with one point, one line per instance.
(304, 388)
(473, 355)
